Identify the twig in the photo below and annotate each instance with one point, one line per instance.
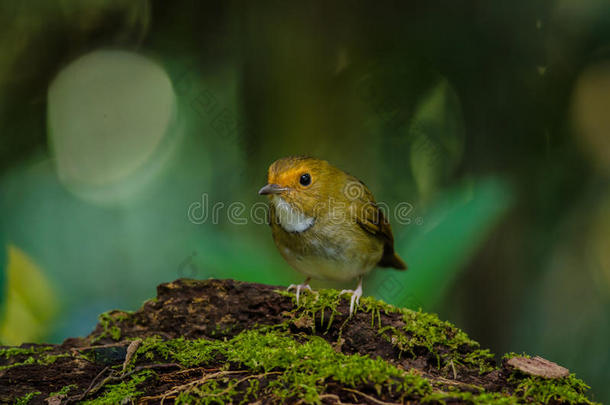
(84, 394)
(442, 380)
(121, 343)
(93, 387)
(179, 388)
(240, 381)
(131, 350)
(370, 398)
(175, 390)
(148, 366)
(188, 370)
(99, 385)
(331, 396)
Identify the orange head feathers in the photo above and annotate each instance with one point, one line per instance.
(304, 182)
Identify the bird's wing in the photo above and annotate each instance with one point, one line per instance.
(370, 218)
(367, 213)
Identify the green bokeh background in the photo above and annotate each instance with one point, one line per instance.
(483, 127)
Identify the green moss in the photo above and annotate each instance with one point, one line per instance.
(308, 366)
(304, 367)
(16, 351)
(46, 359)
(510, 355)
(185, 352)
(24, 400)
(475, 398)
(150, 301)
(448, 344)
(39, 357)
(271, 362)
(443, 340)
(311, 364)
(211, 392)
(29, 360)
(312, 305)
(63, 390)
(108, 322)
(540, 390)
(118, 393)
(546, 390)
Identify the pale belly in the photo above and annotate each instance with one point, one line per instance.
(334, 259)
(323, 268)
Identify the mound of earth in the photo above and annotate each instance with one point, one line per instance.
(224, 341)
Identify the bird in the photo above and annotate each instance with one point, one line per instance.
(326, 223)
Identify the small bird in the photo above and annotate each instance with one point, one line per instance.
(326, 223)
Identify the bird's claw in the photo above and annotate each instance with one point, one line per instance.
(298, 288)
(356, 294)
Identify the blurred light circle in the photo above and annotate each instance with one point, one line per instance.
(591, 113)
(109, 113)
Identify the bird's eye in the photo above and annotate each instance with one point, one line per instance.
(305, 179)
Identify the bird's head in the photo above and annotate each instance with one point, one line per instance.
(303, 182)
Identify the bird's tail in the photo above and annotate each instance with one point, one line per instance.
(391, 259)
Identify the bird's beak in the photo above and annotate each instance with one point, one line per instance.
(271, 189)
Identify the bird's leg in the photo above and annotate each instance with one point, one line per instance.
(299, 287)
(356, 294)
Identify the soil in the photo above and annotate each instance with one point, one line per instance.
(217, 309)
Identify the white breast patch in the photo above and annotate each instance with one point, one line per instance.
(291, 219)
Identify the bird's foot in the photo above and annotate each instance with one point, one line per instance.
(299, 288)
(356, 294)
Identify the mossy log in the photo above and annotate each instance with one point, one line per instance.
(224, 341)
